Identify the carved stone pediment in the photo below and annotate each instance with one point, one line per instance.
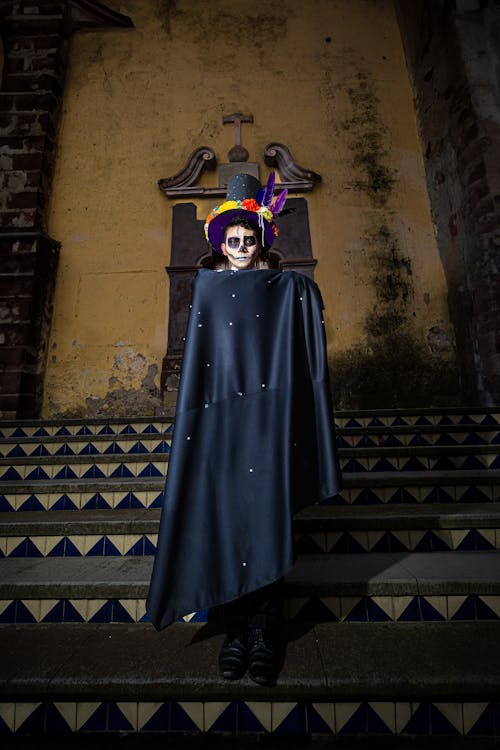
(183, 184)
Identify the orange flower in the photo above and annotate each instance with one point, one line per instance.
(250, 204)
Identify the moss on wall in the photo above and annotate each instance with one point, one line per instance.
(392, 366)
(369, 143)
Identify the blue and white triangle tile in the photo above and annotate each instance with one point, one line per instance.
(129, 429)
(16, 452)
(24, 548)
(65, 472)
(320, 718)
(38, 473)
(186, 716)
(153, 717)
(366, 720)
(11, 474)
(103, 547)
(220, 716)
(63, 611)
(289, 717)
(130, 500)
(65, 547)
(151, 470)
(5, 505)
(482, 720)
(16, 611)
(431, 719)
(253, 717)
(32, 503)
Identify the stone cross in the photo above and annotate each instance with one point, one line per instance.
(237, 152)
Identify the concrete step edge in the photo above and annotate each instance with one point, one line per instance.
(316, 517)
(374, 574)
(325, 662)
(351, 480)
(152, 457)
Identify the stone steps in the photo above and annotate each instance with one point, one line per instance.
(393, 606)
(472, 457)
(336, 680)
(327, 529)
(338, 587)
(146, 489)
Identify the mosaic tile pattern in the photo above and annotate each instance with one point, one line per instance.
(350, 542)
(73, 470)
(387, 718)
(79, 545)
(45, 448)
(70, 500)
(397, 540)
(298, 609)
(141, 463)
(145, 427)
(104, 496)
(417, 420)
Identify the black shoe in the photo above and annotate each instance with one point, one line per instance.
(264, 657)
(233, 657)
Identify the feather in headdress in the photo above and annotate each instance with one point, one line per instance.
(279, 202)
(269, 191)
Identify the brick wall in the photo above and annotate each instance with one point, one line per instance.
(36, 37)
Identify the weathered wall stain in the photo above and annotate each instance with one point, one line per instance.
(121, 401)
(399, 372)
(393, 367)
(394, 364)
(368, 142)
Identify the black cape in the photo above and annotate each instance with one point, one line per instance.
(253, 439)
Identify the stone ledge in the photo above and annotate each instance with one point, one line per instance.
(374, 574)
(325, 662)
(350, 480)
(313, 518)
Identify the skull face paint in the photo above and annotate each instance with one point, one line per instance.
(241, 247)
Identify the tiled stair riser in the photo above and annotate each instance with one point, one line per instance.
(378, 718)
(77, 500)
(78, 464)
(303, 609)
(399, 420)
(333, 542)
(455, 437)
(101, 494)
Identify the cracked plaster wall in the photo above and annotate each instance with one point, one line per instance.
(326, 77)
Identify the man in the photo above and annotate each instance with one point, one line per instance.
(253, 439)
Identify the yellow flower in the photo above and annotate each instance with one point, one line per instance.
(228, 205)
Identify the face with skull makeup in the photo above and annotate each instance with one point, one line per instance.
(241, 247)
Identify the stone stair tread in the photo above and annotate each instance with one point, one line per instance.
(350, 480)
(376, 574)
(166, 434)
(325, 517)
(134, 520)
(376, 452)
(331, 661)
(107, 484)
(91, 458)
(394, 516)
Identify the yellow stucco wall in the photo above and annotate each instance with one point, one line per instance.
(326, 77)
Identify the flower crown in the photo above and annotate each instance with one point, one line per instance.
(249, 204)
(263, 206)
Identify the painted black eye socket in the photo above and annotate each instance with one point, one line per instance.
(234, 242)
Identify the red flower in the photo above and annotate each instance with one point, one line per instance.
(250, 204)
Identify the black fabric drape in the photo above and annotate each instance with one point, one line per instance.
(253, 440)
